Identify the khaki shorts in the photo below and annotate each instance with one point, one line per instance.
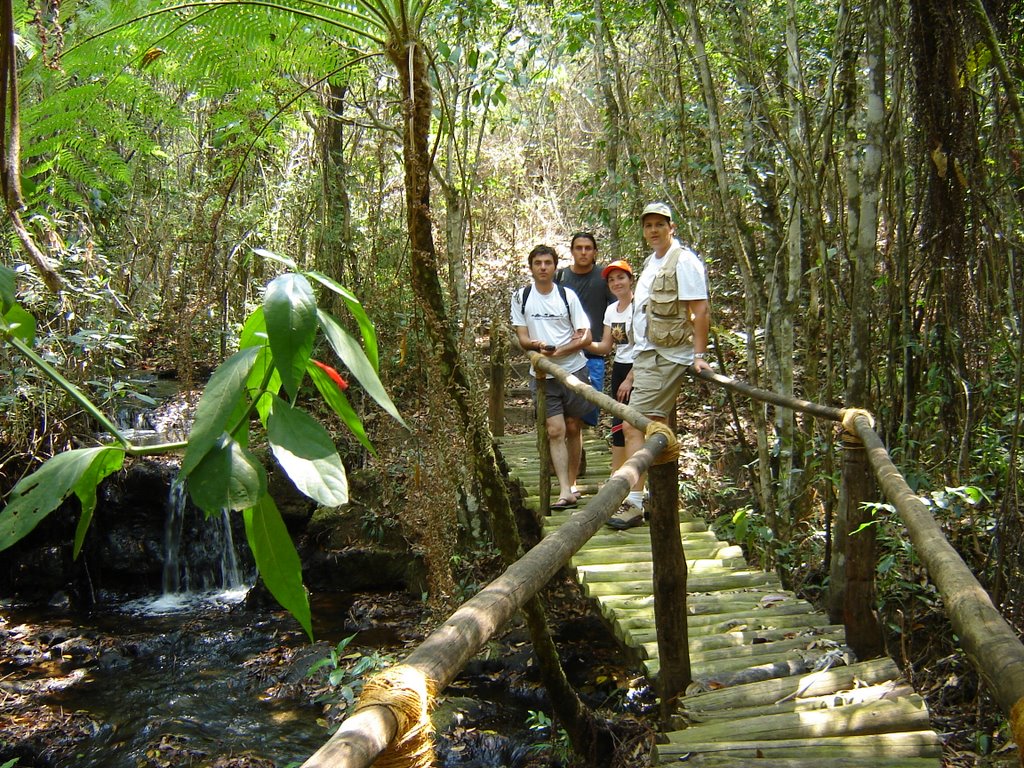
(656, 384)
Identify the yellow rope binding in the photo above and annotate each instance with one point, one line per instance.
(406, 692)
(671, 452)
(849, 414)
(1017, 727)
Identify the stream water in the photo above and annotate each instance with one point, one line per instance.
(183, 681)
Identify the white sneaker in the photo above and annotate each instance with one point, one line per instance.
(626, 516)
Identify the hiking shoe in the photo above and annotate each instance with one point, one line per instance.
(626, 516)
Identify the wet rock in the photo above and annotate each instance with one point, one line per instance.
(76, 650)
(471, 748)
(361, 569)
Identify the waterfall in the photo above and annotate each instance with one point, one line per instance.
(201, 563)
(231, 576)
(176, 499)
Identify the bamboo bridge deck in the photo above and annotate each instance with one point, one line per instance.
(772, 683)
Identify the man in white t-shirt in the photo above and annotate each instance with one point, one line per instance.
(659, 370)
(550, 319)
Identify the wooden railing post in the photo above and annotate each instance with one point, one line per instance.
(543, 448)
(499, 359)
(854, 558)
(669, 583)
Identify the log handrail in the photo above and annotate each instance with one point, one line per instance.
(361, 738)
(990, 643)
(988, 640)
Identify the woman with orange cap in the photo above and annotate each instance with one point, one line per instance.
(618, 334)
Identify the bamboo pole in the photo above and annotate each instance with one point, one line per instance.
(543, 447)
(496, 392)
(669, 582)
(854, 560)
(988, 641)
(442, 655)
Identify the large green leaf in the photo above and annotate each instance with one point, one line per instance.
(106, 463)
(37, 495)
(227, 477)
(307, 454)
(254, 330)
(219, 402)
(366, 328)
(271, 256)
(335, 398)
(7, 279)
(264, 375)
(20, 323)
(352, 355)
(277, 560)
(290, 311)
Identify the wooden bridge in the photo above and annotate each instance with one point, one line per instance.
(768, 680)
(773, 680)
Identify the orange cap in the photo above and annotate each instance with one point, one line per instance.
(620, 264)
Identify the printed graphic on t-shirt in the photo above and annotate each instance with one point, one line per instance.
(619, 335)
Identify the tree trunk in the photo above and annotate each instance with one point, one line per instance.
(613, 131)
(749, 272)
(862, 300)
(408, 58)
(10, 149)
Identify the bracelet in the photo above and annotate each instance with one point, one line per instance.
(698, 355)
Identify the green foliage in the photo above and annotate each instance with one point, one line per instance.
(749, 528)
(36, 496)
(304, 450)
(558, 747)
(347, 671)
(277, 560)
(962, 513)
(217, 466)
(289, 308)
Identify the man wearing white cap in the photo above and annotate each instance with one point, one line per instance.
(671, 319)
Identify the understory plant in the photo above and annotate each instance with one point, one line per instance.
(263, 380)
(346, 672)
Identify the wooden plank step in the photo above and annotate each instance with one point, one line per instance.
(715, 761)
(627, 570)
(700, 604)
(826, 681)
(739, 657)
(646, 634)
(692, 530)
(727, 673)
(881, 747)
(892, 689)
(700, 583)
(641, 553)
(742, 619)
(706, 640)
(870, 717)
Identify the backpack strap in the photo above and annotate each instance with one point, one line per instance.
(524, 296)
(561, 292)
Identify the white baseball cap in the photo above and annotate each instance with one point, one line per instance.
(659, 208)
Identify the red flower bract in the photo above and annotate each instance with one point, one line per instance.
(335, 376)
